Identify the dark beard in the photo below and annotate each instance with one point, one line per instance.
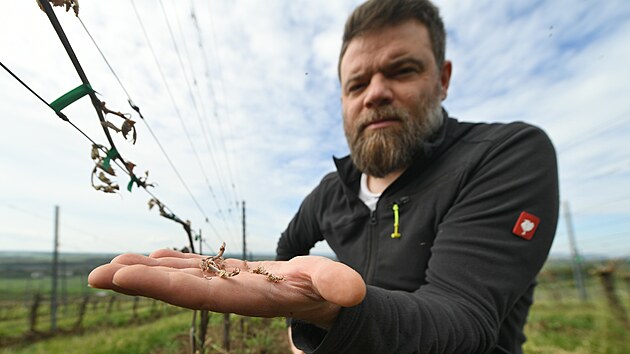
(382, 151)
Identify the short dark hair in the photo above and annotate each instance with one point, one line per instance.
(376, 14)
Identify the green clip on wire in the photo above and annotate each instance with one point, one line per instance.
(70, 97)
(133, 179)
(108, 158)
(395, 234)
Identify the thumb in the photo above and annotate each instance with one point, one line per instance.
(338, 283)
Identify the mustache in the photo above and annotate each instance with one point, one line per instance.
(380, 114)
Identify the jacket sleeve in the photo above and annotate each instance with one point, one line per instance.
(478, 268)
(302, 233)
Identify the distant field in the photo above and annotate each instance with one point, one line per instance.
(559, 321)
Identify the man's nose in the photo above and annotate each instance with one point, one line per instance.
(378, 92)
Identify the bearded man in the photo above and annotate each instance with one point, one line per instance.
(448, 223)
(440, 227)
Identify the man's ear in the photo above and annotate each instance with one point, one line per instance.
(445, 78)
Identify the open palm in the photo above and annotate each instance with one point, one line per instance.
(309, 288)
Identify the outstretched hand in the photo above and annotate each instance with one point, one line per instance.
(311, 288)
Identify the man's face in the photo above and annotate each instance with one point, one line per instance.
(391, 95)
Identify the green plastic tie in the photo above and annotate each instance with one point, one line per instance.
(73, 95)
(130, 184)
(107, 160)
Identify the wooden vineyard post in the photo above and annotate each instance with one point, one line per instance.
(226, 332)
(110, 304)
(134, 307)
(55, 275)
(204, 316)
(32, 321)
(192, 337)
(626, 278)
(606, 275)
(82, 309)
(153, 309)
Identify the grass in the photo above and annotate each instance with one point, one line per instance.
(168, 335)
(560, 322)
(567, 330)
(161, 336)
(155, 328)
(15, 323)
(256, 335)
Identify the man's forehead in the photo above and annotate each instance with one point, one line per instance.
(385, 44)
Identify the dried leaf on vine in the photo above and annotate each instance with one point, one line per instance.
(110, 125)
(107, 189)
(109, 111)
(128, 126)
(160, 206)
(143, 181)
(74, 4)
(95, 152)
(153, 202)
(130, 166)
(103, 178)
(108, 186)
(109, 170)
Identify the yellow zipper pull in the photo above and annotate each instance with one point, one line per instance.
(395, 234)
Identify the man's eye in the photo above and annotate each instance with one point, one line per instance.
(355, 87)
(405, 70)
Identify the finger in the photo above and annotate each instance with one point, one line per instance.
(245, 294)
(165, 252)
(177, 288)
(101, 278)
(132, 258)
(338, 283)
(170, 287)
(173, 262)
(192, 271)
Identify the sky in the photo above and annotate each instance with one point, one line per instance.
(240, 101)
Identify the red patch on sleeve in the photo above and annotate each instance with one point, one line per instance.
(526, 225)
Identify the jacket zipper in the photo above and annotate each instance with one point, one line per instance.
(373, 217)
(370, 246)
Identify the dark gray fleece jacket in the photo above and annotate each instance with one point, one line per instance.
(477, 216)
